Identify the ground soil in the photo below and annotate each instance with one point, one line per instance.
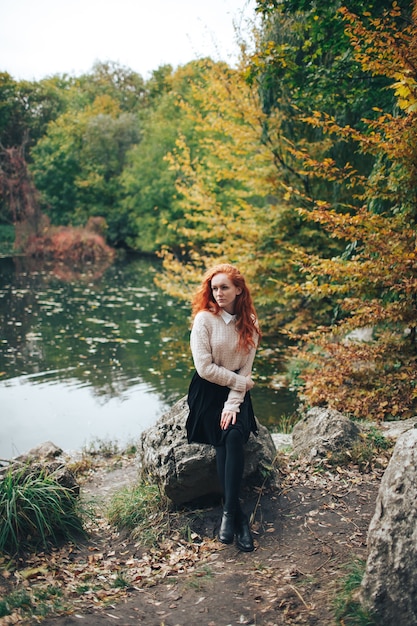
(308, 528)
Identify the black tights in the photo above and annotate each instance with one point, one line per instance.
(230, 463)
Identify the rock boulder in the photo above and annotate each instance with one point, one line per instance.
(47, 450)
(188, 471)
(389, 587)
(323, 430)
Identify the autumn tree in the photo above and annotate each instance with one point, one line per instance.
(232, 201)
(305, 62)
(19, 193)
(331, 240)
(373, 284)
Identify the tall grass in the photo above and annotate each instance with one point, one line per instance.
(35, 510)
(141, 510)
(347, 606)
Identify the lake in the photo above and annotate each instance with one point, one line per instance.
(98, 355)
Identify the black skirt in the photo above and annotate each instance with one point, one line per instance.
(206, 401)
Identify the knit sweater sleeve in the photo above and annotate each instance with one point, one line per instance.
(235, 398)
(203, 357)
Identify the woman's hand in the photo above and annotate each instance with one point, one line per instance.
(249, 383)
(227, 418)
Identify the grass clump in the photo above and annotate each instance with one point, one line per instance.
(286, 423)
(106, 448)
(35, 510)
(347, 606)
(19, 599)
(371, 445)
(141, 510)
(371, 449)
(31, 602)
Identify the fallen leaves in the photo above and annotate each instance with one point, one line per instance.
(90, 576)
(321, 512)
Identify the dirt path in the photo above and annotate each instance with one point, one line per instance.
(306, 532)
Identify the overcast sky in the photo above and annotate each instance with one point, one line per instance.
(39, 38)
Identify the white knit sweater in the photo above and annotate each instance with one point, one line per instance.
(214, 341)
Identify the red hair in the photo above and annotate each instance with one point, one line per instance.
(246, 320)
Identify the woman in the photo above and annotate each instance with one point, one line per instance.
(224, 338)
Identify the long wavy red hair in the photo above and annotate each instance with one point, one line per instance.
(246, 319)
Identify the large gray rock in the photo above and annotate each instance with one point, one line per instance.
(389, 587)
(188, 471)
(323, 430)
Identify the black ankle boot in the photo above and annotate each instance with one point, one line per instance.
(244, 539)
(227, 528)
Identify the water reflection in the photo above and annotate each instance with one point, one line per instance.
(98, 357)
(70, 415)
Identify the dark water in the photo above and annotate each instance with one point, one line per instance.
(97, 356)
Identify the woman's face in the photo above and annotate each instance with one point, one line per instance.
(224, 292)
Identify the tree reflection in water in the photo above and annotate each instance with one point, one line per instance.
(101, 351)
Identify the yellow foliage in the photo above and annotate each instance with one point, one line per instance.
(226, 183)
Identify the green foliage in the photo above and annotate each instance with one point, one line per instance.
(111, 81)
(141, 510)
(82, 128)
(35, 510)
(148, 180)
(26, 108)
(148, 186)
(305, 61)
(7, 237)
(77, 163)
(104, 156)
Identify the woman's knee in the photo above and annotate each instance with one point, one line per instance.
(234, 438)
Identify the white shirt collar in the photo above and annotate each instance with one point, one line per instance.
(227, 316)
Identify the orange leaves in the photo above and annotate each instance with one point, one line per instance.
(368, 380)
(380, 46)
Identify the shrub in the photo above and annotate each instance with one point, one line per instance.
(36, 510)
(69, 244)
